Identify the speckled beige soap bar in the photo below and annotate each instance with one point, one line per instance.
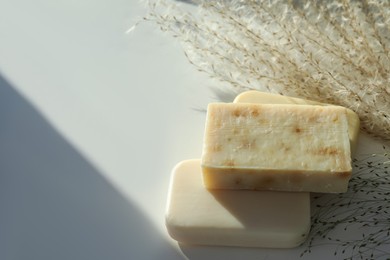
(276, 147)
(253, 96)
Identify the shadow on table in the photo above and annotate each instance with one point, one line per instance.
(56, 205)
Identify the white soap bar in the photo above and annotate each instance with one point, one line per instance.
(243, 218)
(276, 147)
(254, 96)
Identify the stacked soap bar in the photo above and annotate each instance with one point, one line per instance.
(276, 147)
(248, 218)
(196, 215)
(268, 98)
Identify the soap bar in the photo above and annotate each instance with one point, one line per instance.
(254, 96)
(276, 147)
(196, 215)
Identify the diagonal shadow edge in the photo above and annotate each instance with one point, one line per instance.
(54, 204)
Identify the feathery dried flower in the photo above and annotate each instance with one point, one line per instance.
(336, 52)
(362, 211)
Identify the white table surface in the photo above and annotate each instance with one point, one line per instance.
(92, 120)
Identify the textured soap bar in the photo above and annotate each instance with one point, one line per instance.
(276, 147)
(196, 215)
(254, 96)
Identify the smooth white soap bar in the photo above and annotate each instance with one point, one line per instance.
(242, 218)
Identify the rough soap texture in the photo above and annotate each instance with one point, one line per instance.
(276, 147)
(254, 96)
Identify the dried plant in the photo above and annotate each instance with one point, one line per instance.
(330, 51)
(336, 52)
(357, 222)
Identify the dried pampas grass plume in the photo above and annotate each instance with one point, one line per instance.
(329, 51)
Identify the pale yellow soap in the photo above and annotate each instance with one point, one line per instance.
(196, 215)
(276, 147)
(254, 96)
